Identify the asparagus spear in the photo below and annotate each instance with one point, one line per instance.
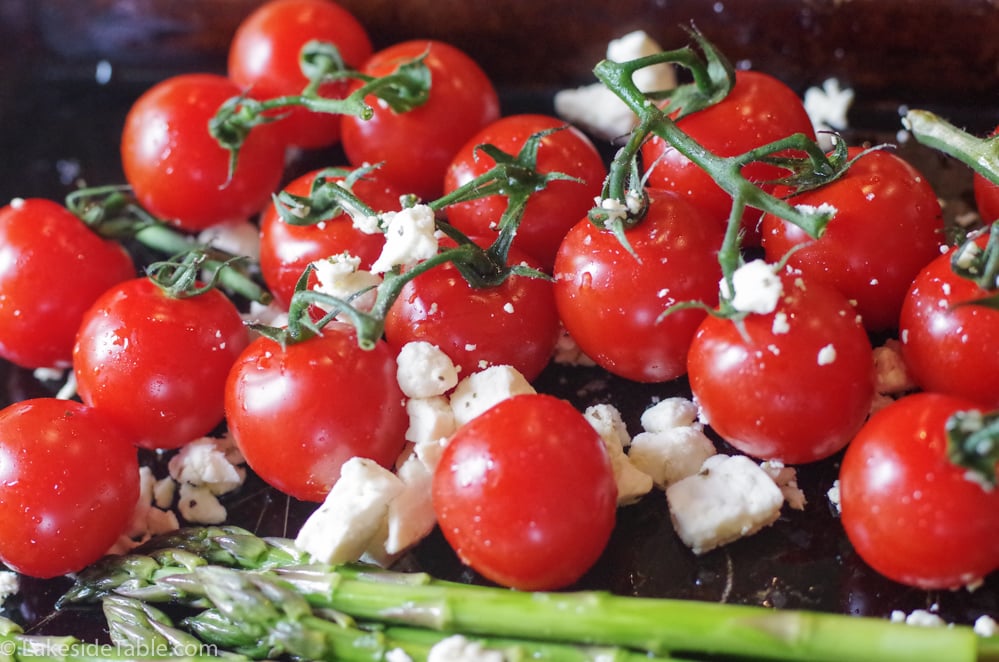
(660, 626)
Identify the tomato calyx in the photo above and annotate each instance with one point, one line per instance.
(114, 213)
(979, 265)
(407, 87)
(182, 276)
(973, 443)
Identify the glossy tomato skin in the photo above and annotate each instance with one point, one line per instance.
(910, 513)
(943, 340)
(69, 482)
(793, 385)
(177, 169)
(286, 250)
(525, 494)
(551, 212)
(610, 302)
(514, 323)
(759, 110)
(52, 268)
(264, 61)
(156, 365)
(414, 148)
(888, 226)
(298, 413)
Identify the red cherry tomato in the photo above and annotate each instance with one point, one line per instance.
(299, 412)
(760, 109)
(69, 482)
(986, 195)
(943, 338)
(177, 169)
(550, 212)
(792, 385)
(909, 512)
(264, 61)
(52, 267)
(514, 323)
(610, 301)
(286, 250)
(414, 148)
(525, 494)
(888, 226)
(156, 365)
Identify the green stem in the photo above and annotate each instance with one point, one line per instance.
(980, 154)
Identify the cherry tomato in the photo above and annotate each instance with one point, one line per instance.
(610, 301)
(286, 250)
(792, 385)
(525, 494)
(986, 195)
(760, 109)
(909, 512)
(888, 226)
(943, 339)
(52, 267)
(550, 212)
(156, 364)
(176, 168)
(300, 411)
(514, 323)
(414, 148)
(264, 61)
(69, 482)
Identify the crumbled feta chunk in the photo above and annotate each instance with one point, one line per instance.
(429, 419)
(757, 287)
(985, 626)
(397, 655)
(601, 112)
(632, 484)
(481, 390)
(827, 107)
(458, 648)
(149, 517)
(341, 276)
(918, 617)
(237, 238)
(671, 455)
(731, 497)
(606, 419)
(209, 462)
(833, 496)
(669, 413)
(199, 505)
(410, 237)
(411, 514)
(827, 355)
(10, 584)
(267, 315)
(786, 478)
(424, 370)
(342, 528)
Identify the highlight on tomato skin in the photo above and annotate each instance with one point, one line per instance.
(525, 493)
(69, 482)
(910, 513)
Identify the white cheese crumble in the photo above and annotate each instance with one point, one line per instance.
(731, 497)
(410, 237)
(632, 483)
(827, 355)
(429, 419)
(424, 370)
(671, 455)
(482, 389)
(151, 515)
(10, 584)
(834, 497)
(985, 626)
(827, 107)
(601, 112)
(350, 517)
(780, 324)
(204, 469)
(918, 617)
(237, 238)
(786, 479)
(757, 287)
(458, 648)
(341, 276)
(669, 413)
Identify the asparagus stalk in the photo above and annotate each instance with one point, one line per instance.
(659, 626)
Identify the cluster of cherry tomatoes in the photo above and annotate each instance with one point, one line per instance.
(155, 370)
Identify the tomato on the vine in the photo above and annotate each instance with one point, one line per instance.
(986, 194)
(52, 268)
(525, 494)
(156, 364)
(759, 109)
(943, 334)
(888, 225)
(514, 323)
(298, 412)
(414, 148)
(550, 212)
(176, 168)
(909, 512)
(264, 61)
(69, 482)
(286, 250)
(792, 385)
(611, 301)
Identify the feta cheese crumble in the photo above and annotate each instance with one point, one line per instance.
(458, 648)
(424, 370)
(341, 276)
(757, 288)
(10, 584)
(827, 107)
(632, 483)
(410, 237)
(481, 390)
